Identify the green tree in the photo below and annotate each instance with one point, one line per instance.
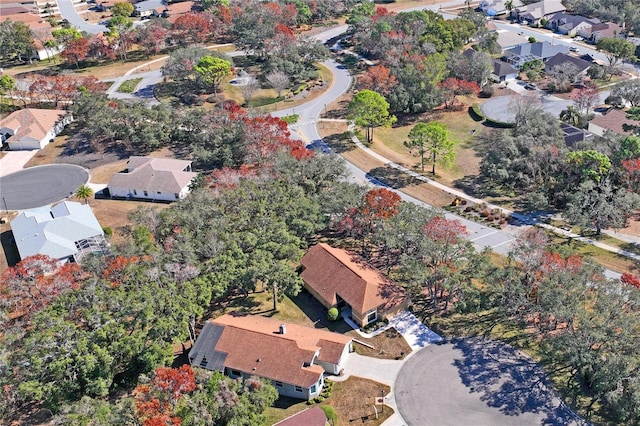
(600, 206)
(7, 84)
(570, 115)
(418, 138)
(119, 28)
(213, 70)
(84, 193)
(122, 8)
(15, 40)
(616, 50)
(370, 109)
(438, 144)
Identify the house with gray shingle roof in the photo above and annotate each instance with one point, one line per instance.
(33, 128)
(65, 232)
(527, 52)
(534, 12)
(155, 179)
(567, 24)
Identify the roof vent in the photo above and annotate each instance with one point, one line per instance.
(283, 329)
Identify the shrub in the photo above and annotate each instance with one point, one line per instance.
(463, 202)
(487, 91)
(129, 86)
(290, 119)
(484, 213)
(333, 314)
(107, 231)
(491, 218)
(330, 413)
(531, 39)
(468, 209)
(318, 399)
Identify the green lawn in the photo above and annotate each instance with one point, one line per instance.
(129, 86)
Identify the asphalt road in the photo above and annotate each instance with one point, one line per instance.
(477, 382)
(41, 185)
(68, 12)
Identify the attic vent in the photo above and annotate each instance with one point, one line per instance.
(283, 329)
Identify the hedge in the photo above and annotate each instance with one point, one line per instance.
(475, 113)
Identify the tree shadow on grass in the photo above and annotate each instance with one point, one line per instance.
(508, 380)
(392, 177)
(339, 142)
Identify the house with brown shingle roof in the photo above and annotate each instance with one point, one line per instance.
(338, 278)
(613, 120)
(32, 128)
(155, 179)
(313, 416)
(294, 358)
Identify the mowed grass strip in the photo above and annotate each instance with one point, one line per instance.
(129, 86)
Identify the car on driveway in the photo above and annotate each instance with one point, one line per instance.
(530, 86)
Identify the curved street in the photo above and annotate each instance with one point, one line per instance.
(68, 11)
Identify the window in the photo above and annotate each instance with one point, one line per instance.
(298, 389)
(371, 317)
(177, 195)
(135, 192)
(313, 389)
(279, 384)
(235, 373)
(159, 192)
(146, 193)
(204, 362)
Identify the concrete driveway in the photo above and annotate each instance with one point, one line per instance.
(477, 381)
(41, 185)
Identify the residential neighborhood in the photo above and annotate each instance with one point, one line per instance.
(414, 212)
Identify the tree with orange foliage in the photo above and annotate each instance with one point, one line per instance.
(379, 79)
(156, 402)
(34, 283)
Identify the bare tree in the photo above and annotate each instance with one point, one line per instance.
(564, 74)
(278, 81)
(250, 89)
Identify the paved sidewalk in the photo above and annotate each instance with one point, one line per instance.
(462, 195)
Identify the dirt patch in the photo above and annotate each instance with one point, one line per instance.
(387, 345)
(354, 399)
(114, 214)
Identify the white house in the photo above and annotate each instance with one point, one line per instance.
(534, 12)
(65, 232)
(294, 358)
(33, 128)
(156, 179)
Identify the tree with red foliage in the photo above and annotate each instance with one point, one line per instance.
(76, 51)
(101, 48)
(192, 28)
(631, 280)
(376, 206)
(585, 98)
(34, 283)
(156, 402)
(631, 174)
(379, 79)
(152, 38)
(451, 87)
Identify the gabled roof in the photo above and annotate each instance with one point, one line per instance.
(562, 58)
(32, 122)
(570, 21)
(154, 174)
(253, 344)
(332, 272)
(501, 68)
(540, 49)
(606, 29)
(54, 232)
(613, 121)
(313, 416)
(542, 8)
